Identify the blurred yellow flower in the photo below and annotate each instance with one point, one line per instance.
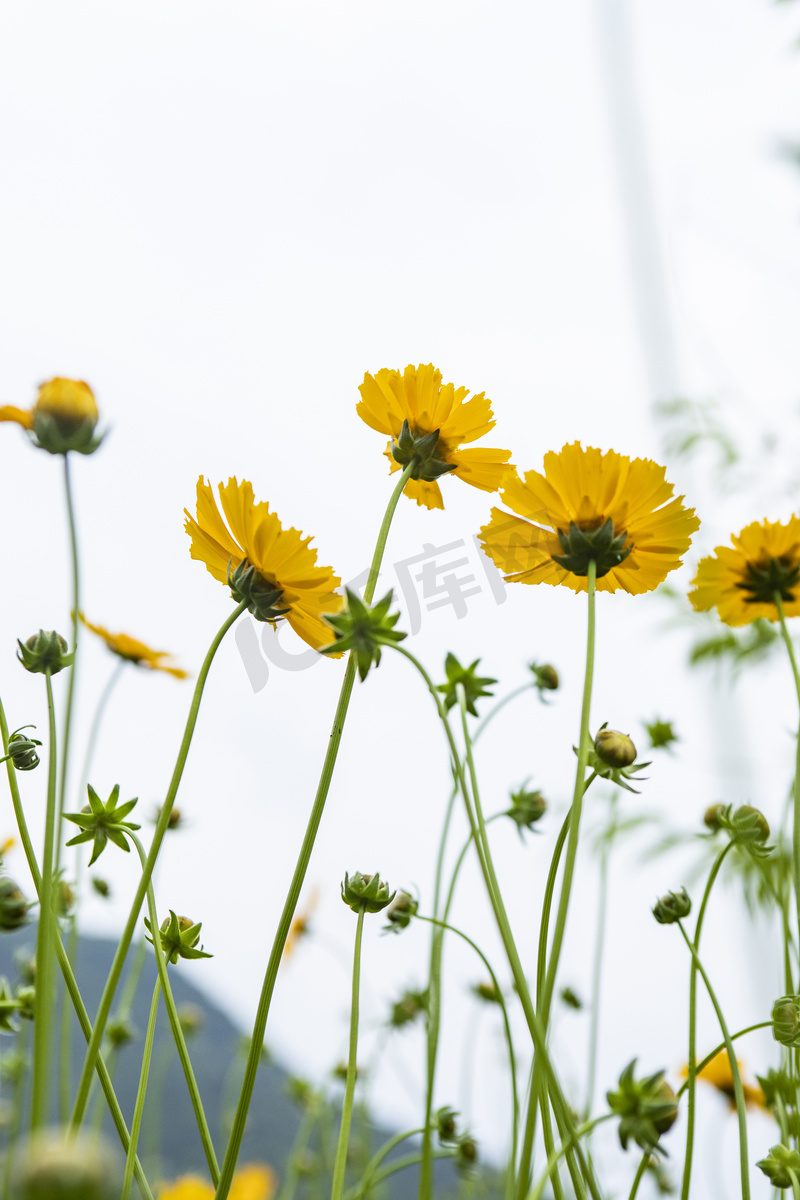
(741, 580)
(718, 1074)
(590, 504)
(63, 418)
(255, 1181)
(300, 925)
(417, 399)
(269, 566)
(136, 652)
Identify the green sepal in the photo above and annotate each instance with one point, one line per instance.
(582, 546)
(22, 750)
(409, 446)
(9, 1007)
(262, 597)
(777, 1165)
(366, 891)
(475, 686)
(780, 575)
(44, 653)
(102, 822)
(179, 938)
(60, 435)
(363, 630)
(647, 1108)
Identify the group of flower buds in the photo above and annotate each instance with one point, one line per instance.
(613, 756)
(400, 912)
(746, 826)
(179, 937)
(672, 907)
(366, 892)
(475, 686)
(647, 1108)
(363, 630)
(44, 653)
(22, 750)
(465, 1145)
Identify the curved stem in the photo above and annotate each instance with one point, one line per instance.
(639, 1176)
(497, 708)
(555, 1155)
(162, 825)
(298, 878)
(796, 787)
(141, 1092)
(363, 1187)
(175, 1024)
(40, 1109)
(340, 1164)
(701, 1066)
(692, 1061)
(73, 544)
(737, 1079)
(97, 720)
(506, 1024)
(407, 1160)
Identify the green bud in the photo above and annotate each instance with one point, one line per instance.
(9, 1007)
(101, 887)
(466, 1154)
(340, 1071)
(526, 808)
(120, 1031)
(614, 748)
(672, 907)
(570, 998)
(363, 630)
(400, 912)
(424, 447)
(486, 992)
(26, 966)
(778, 1088)
(263, 598)
(56, 1167)
(777, 1165)
(545, 677)
(179, 938)
(22, 750)
(714, 816)
(301, 1092)
(65, 417)
(749, 825)
(26, 1002)
(191, 1018)
(13, 905)
(447, 1126)
(64, 897)
(661, 734)
(647, 1107)
(582, 546)
(366, 891)
(786, 1021)
(406, 1010)
(474, 685)
(44, 653)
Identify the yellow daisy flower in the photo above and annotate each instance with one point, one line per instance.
(271, 567)
(413, 407)
(741, 582)
(588, 504)
(255, 1181)
(63, 418)
(300, 925)
(136, 652)
(718, 1073)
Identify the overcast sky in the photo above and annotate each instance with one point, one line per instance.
(221, 216)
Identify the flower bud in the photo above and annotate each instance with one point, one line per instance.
(56, 1167)
(672, 907)
(486, 992)
(26, 1002)
(647, 1107)
(410, 1006)
(661, 734)
(545, 677)
(749, 825)
(65, 417)
(475, 686)
(101, 886)
(120, 1031)
(786, 1020)
(614, 748)
(366, 891)
(713, 817)
(526, 808)
(8, 1009)
(179, 937)
(447, 1126)
(570, 998)
(467, 1154)
(13, 905)
(401, 912)
(777, 1165)
(44, 653)
(191, 1018)
(22, 750)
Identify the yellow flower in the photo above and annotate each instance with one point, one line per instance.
(255, 1181)
(63, 418)
(718, 1073)
(418, 400)
(271, 567)
(136, 652)
(741, 582)
(300, 925)
(589, 504)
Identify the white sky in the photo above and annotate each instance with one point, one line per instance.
(221, 216)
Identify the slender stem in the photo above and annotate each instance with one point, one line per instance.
(65, 965)
(65, 1041)
(340, 1164)
(737, 1079)
(73, 544)
(138, 1108)
(597, 967)
(555, 1155)
(692, 1061)
(162, 825)
(701, 1066)
(577, 798)
(406, 1160)
(175, 1024)
(796, 787)
(15, 1124)
(363, 1186)
(639, 1176)
(298, 878)
(506, 1024)
(295, 1156)
(40, 1109)
(493, 712)
(97, 720)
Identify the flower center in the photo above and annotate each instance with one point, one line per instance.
(592, 541)
(770, 576)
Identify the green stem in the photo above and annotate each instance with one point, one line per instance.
(340, 1165)
(555, 1155)
(175, 1023)
(162, 825)
(97, 720)
(65, 965)
(701, 1066)
(65, 1042)
(597, 968)
(298, 878)
(406, 1160)
(73, 544)
(492, 713)
(295, 1157)
(639, 1176)
(796, 787)
(138, 1108)
(15, 1124)
(737, 1080)
(362, 1187)
(40, 1109)
(692, 1062)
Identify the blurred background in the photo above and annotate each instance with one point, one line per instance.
(221, 216)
